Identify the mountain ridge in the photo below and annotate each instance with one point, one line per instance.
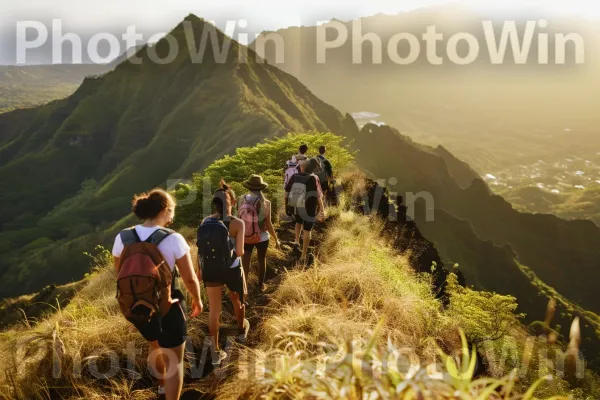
(136, 127)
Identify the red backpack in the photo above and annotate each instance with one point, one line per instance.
(144, 279)
(249, 214)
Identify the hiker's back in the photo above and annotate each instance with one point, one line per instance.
(216, 249)
(252, 210)
(302, 191)
(324, 170)
(290, 170)
(145, 277)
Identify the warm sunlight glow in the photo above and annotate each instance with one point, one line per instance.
(585, 8)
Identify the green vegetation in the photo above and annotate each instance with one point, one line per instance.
(30, 86)
(134, 128)
(267, 159)
(327, 331)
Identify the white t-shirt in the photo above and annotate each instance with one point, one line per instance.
(173, 247)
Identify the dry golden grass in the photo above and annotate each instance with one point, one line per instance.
(358, 282)
(88, 330)
(327, 332)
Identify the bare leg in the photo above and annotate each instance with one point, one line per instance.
(214, 314)
(306, 239)
(298, 231)
(156, 362)
(238, 308)
(262, 264)
(174, 368)
(246, 260)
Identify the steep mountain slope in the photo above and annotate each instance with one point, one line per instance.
(489, 115)
(69, 168)
(482, 232)
(564, 254)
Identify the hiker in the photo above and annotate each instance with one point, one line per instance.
(157, 315)
(220, 241)
(303, 198)
(291, 169)
(325, 171)
(255, 210)
(302, 150)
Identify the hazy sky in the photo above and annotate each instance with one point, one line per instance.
(87, 17)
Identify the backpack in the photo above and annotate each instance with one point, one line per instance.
(214, 249)
(290, 170)
(322, 171)
(144, 279)
(249, 214)
(297, 196)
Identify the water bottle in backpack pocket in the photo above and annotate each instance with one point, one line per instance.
(249, 214)
(215, 249)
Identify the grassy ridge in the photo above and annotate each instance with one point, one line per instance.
(362, 295)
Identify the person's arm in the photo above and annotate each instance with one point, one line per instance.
(288, 189)
(321, 204)
(116, 252)
(239, 237)
(319, 188)
(191, 282)
(269, 224)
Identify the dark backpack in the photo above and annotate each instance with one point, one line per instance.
(214, 249)
(144, 279)
(324, 170)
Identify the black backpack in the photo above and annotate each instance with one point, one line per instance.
(324, 171)
(214, 249)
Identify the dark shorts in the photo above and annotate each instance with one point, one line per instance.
(174, 328)
(261, 247)
(234, 279)
(306, 217)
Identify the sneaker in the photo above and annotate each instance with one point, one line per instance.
(296, 248)
(243, 336)
(221, 355)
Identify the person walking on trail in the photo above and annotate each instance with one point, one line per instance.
(147, 258)
(302, 150)
(325, 171)
(255, 210)
(297, 159)
(220, 240)
(304, 201)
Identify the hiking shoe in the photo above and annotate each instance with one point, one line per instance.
(220, 355)
(243, 336)
(161, 390)
(296, 248)
(310, 260)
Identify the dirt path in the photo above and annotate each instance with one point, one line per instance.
(203, 385)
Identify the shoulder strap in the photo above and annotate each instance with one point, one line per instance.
(159, 235)
(129, 236)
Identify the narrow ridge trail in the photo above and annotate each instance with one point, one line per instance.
(202, 381)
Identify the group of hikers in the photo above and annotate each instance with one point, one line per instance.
(148, 257)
